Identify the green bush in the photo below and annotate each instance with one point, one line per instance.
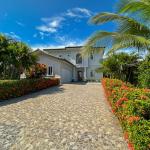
(122, 66)
(16, 88)
(144, 73)
(132, 107)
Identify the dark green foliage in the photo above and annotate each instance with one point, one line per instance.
(144, 73)
(121, 66)
(16, 88)
(15, 57)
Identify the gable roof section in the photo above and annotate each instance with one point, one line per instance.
(58, 58)
(66, 48)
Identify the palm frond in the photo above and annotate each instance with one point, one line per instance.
(126, 24)
(104, 17)
(142, 6)
(121, 4)
(91, 42)
(120, 41)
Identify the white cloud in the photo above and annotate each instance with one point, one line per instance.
(41, 35)
(50, 25)
(45, 28)
(79, 12)
(20, 23)
(13, 35)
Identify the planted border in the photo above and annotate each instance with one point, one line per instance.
(132, 107)
(15, 88)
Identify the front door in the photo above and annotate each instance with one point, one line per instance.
(80, 76)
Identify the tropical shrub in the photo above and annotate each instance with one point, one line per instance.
(15, 57)
(132, 107)
(144, 73)
(16, 88)
(37, 71)
(122, 66)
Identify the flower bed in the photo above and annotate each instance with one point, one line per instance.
(16, 88)
(132, 107)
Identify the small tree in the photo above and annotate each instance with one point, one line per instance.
(15, 57)
(121, 66)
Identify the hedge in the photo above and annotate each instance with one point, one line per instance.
(16, 88)
(132, 107)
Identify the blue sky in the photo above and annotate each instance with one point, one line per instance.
(52, 23)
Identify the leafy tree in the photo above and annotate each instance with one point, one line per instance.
(144, 73)
(4, 42)
(132, 31)
(15, 57)
(121, 66)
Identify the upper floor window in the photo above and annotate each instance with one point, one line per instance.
(91, 56)
(78, 59)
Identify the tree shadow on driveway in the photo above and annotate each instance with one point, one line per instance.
(48, 91)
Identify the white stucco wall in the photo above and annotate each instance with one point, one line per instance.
(60, 68)
(70, 53)
(94, 64)
(66, 73)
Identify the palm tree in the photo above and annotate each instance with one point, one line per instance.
(132, 32)
(15, 57)
(21, 58)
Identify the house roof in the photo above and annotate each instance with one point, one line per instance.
(62, 59)
(67, 48)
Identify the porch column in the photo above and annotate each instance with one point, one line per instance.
(85, 76)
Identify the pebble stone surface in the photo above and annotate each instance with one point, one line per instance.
(68, 117)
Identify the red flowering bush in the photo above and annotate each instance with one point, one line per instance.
(37, 71)
(16, 88)
(132, 107)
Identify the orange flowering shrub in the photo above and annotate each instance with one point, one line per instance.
(133, 118)
(120, 101)
(132, 107)
(37, 71)
(16, 88)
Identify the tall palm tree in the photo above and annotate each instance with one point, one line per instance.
(132, 31)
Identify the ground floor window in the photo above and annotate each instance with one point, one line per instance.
(50, 70)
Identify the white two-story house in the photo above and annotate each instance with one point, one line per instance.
(69, 65)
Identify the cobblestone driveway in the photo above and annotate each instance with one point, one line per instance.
(69, 117)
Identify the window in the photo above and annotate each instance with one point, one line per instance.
(78, 59)
(91, 56)
(92, 74)
(50, 70)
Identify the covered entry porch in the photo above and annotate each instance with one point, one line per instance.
(79, 74)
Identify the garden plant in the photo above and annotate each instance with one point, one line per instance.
(132, 107)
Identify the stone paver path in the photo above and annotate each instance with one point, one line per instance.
(69, 117)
